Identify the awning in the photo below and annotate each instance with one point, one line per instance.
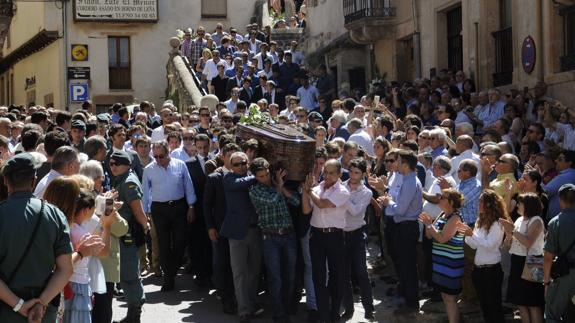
(35, 44)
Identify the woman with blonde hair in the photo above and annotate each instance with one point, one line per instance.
(486, 238)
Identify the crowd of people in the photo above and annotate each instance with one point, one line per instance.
(469, 194)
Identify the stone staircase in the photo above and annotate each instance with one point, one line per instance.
(284, 37)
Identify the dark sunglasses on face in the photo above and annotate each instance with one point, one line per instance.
(188, 138)
(159, 156)
(113, 164)
(243, 163)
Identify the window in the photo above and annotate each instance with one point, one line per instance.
(214, 8)
(454, 40)
(119, 66)
(568, 58)
(503, 39)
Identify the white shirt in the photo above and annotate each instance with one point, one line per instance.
(81, 274)
(487, 244)
(356, 205)
(211, 68)
(44, 182)
(567, 133)
(261, 60)
(521, 226)
(181, 154)
(231, 105)
(363, 139)
(433, 209)
(455, 161)
(330, 217)
(158, 134)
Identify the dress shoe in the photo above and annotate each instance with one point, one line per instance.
(168, 285)
(312, 316)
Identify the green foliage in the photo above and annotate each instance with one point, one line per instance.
(255, 116)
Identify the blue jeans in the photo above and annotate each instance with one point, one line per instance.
(280, 252)
(307, 273)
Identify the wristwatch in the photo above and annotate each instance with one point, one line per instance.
(18, 305)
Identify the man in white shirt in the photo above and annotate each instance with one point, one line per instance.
(308, 94)
(187, 150)
(326, 202)
(360, 136)
(355, 239)
(65, 162)
(263, 55)
(211, 69)
(464, 148)
(166, 116)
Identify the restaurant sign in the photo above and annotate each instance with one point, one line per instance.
(116, 10)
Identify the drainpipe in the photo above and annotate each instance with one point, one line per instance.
(539, 46)
(477, 72)
(65, 98)
(416, 41)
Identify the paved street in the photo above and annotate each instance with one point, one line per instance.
(188, 304)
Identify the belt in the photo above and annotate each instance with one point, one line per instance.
(281, 231)
(327, 230)
(488, 265)
(170, 203)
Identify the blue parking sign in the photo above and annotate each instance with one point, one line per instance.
(79, 92)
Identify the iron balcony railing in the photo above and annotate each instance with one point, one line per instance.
(358, 9)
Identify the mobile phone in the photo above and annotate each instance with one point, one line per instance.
(109, 206)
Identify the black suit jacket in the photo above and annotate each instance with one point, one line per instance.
(232, 83)
(198, 179)
(244, 96)
(214, 201)
(258, 93)
(280, 98)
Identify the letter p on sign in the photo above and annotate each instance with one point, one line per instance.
(78, 92)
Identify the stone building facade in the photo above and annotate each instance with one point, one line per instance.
(408, 39)
(125, 48)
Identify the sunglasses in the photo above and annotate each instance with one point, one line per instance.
(159, 156)
(226, 120)
(390, 160)
(113, 164)
(188, 138)
(423, 137)
(243, 163)
(502, 161)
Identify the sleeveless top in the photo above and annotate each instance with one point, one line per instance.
(448, 259)
(521, 225)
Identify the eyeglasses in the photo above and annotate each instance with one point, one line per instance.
(423, 137)
(502, 161)
(243, 163)
(486, 155)
(194, 120)
(113, 164)
(390, 160)
(159, 156)
(204, 115)
(189, 138)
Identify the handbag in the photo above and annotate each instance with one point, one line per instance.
(533, 267)
(560, 266)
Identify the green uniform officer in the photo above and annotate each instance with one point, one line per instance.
(560, 239)
(129, 190)
(28, 288)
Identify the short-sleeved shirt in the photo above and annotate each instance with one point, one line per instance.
(129, 189)
(337, 194)
(560, 234)
(18, 216)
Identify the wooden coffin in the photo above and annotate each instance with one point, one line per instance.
(283, 147)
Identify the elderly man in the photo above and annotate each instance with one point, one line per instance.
(169, 196)
(241, 229)
(360, 136)
(506, 167)
(488, 114)
(337, 125)
(464, 148)
(437, 139)
(187, 150)
(326, 202)
(166, 116)
(65, 162)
